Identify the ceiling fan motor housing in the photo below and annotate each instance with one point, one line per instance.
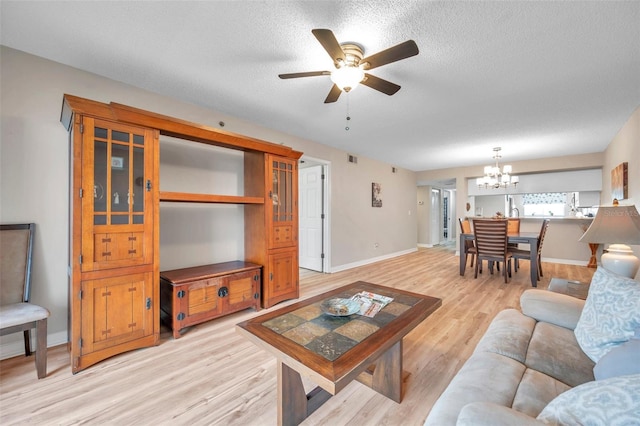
(353, 53)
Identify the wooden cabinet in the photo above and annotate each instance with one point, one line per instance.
(271, 230)
(114, 298)
(114, 261)
(194, 295)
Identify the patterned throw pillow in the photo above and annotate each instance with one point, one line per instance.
(611, 402)
(611, 313)
(619, 361)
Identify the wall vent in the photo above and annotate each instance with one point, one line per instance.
(352, 159)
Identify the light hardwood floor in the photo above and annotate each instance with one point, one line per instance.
(214, 376)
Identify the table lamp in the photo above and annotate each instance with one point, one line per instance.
(619, 225)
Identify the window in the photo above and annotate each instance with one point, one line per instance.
(545, 204)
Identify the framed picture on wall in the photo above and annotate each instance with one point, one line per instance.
(376, 195)
(620, 182)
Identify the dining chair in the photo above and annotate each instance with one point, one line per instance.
(491, 244)
(526, 254)
(16, 312)
(513, 227)
(469, 245)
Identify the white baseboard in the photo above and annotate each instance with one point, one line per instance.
(372, 260)
(566, 261)
(16, 346)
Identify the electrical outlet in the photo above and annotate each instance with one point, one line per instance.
(375, 245)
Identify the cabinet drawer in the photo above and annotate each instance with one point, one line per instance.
(282, 236)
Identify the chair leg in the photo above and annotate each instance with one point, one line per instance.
(27, 342)
(473, 257)
(41, 349)
(478, 262)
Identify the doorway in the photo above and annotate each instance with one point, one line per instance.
(313, 199)
(436, 228)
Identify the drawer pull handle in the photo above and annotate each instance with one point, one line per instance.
(106, 240)
(223, 292)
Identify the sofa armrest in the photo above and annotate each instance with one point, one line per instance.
(490, 414)
(554, 308)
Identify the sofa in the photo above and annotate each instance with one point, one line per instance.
(560, 360)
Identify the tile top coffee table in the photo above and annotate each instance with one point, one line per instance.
(334, 350)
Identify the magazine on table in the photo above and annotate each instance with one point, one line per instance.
(371, 303)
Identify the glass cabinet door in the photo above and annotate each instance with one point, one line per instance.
(117, 162)
(284, 211)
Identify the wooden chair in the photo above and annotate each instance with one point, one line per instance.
(491, 244)
(513, 227)
(469, 245)
(16, 313)
(526, 254)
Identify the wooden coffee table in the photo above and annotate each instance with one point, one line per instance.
(332, 351)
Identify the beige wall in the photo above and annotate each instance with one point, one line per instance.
(34, 184)
(625, 146)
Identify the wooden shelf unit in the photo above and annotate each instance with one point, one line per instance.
(92, 278)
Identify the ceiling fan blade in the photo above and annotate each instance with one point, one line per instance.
(380, 84)
(304, 74)
(400, 51)
(333, 95)
(330, 43)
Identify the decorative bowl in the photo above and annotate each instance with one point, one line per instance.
(339, 307)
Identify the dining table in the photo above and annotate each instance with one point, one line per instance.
(530, 238)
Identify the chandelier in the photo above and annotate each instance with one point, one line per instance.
(496, 178)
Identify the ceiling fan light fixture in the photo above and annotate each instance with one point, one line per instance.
(347, 78)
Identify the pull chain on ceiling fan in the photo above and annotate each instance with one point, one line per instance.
(351, 65)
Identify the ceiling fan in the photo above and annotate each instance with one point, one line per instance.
(351, 65)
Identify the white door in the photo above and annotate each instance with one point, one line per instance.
(310, 184)
(435, 217)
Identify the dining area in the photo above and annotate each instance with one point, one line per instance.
(501, 243)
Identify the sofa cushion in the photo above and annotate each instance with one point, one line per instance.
(508, 334)
(489, 414)
(611, 402)
(536, 390)
(554, 351)
(485, 377)
(619, 361)
(611, 313)
(555, 308)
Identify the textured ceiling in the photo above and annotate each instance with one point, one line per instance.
(539, 79)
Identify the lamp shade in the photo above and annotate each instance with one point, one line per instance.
(614, 224)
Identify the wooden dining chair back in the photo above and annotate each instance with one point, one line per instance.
(491, 244)
(469, 245)
(16, 312)
(526, 254)
(513, 225)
